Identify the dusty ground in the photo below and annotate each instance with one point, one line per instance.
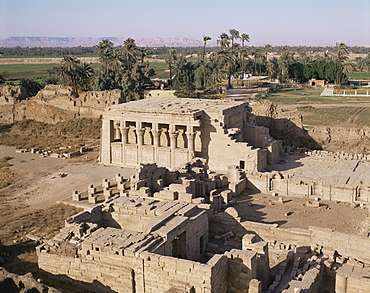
(29, 206)
(266, 208)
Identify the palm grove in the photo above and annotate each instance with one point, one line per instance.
(126, 67)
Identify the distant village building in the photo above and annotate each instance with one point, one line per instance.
(316, 82)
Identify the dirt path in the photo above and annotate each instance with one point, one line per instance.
(356, 114)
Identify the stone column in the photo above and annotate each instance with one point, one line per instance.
(191, 144)
(156, 137)
(173, 144)
(124, 133)
(140, 135)
(173, 138)
(106, 139)
(117, 133)
(191, 140)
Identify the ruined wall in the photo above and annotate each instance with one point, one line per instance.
(347, 245)
(242, 268)
(273, 182)
(13, 283)
(87, 104)
(30, 109)
(348, 139)
(10, 94)
(288, 127)
(54, 103)
(142, 272)
(352, 279)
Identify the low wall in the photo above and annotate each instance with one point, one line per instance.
(348, 245)
(142, 272)
(350, 279)
(272, 182)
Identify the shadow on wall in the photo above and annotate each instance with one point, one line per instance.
(288, 132)
(67, 284)
(231, 220)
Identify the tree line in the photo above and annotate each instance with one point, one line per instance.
(126, 67)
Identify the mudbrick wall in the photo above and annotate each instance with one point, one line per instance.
(54, 103)
(288, 127)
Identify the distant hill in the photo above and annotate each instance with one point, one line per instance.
(176, 41)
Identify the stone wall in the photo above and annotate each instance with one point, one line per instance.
(274, 182)
(347, 245)
(352, 279)
(142, 272)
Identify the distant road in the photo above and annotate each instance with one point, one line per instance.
(10, 61)
(30, 60)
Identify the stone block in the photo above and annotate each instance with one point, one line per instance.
(76, 196)
(91, 189)
(93, 199)
(105, 183)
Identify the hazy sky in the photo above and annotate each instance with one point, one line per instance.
(263, 20)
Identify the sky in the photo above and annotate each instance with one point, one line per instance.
(263, 20)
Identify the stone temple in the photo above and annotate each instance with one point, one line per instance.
(174, 226)
(171, 132)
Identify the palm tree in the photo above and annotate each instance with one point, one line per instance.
(143, 52)
(348, 68)
(360, 63)
(105, 48)
(341, 56)
(367, 67)
(244, 38)
(224, 40)
(129, 48)
(267, 50)
(85, 73)
(170, 59)
(205, 39)
(272, 68)
(70, 70)
(257, 54)
(234, 34)
(229, 61)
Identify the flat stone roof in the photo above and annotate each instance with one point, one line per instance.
(108, 238)
(174, 105)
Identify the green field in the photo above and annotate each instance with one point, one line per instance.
(309, 95)
(335, 116)
(56, 56)
(160, 70)
(16, 72)
(359, 75)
